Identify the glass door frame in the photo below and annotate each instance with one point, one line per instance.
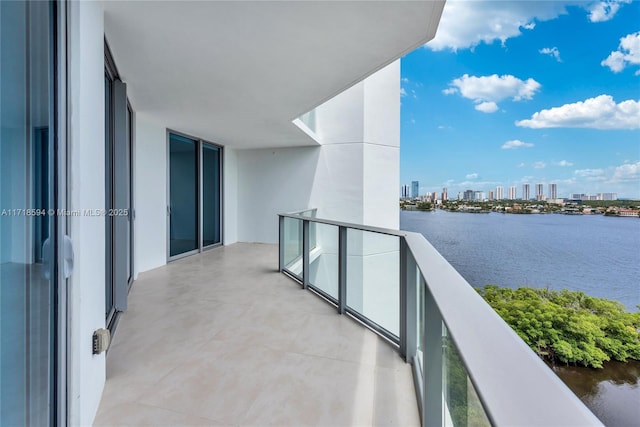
(119, 176)
(200, 143)
(62, 119)
(201, 148)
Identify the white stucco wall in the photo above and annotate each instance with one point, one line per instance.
(230, 196)
(353, 176)
(86, 191)
(381, 176)
(269, 182)
(150, 172)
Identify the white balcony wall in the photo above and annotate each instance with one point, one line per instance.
(353, 176)
(230, 196)
(150, 171)
(368, 115)
(86, 191)
(271, 181)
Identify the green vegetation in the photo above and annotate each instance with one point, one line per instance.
(533, 206)
(425, 206)
(462, 400)
(631, 204)
(568, 326)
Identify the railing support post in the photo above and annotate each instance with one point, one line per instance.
(280, 243)
(408, 306)
(305, 254)
(342, 269)
(432, 398)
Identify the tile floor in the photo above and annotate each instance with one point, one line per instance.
(223, 339)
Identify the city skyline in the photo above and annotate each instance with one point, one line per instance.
(498, 193)
(508, 93)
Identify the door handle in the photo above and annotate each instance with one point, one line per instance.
(67, 257)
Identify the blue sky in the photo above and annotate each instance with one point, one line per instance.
(513, 92)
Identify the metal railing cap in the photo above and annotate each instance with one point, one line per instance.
(379, 230)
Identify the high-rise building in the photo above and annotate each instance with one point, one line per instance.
(553, 191)
(607, 196)
(499, 193)
(539, 192)
(468, 195)
(405, 192)
(478, 196)
(526, 191)
(513, 193)
(490, 195)
(445, 196)
(415, 189)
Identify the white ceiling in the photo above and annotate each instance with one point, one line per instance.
(238, 72)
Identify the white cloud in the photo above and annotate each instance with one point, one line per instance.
(515, 143)
(487, 107)
(600, 112)
(403, 92)
(563, 163)
(628, 53)
(626, 172)
(551, 51)
(404, 80)
(590, 174)
(487, 91)
(521, 165)
(604, 10)
(466, 24)
(539, 165)
(472, 176)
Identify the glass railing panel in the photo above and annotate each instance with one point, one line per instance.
(293, 246)
(311, 213)
(373, 277)
(323, 258)
(462, 405)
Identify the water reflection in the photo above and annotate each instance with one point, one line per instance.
(612, 393)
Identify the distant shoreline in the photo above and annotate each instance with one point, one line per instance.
(632, 210)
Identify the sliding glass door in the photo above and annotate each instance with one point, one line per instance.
(210, 195)
(29, 228)
(183, 190)
(118, 191)
(194, 211)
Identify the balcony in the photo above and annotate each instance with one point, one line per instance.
(222, 338)
(469, 366)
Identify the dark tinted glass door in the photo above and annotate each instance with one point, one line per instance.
(210, 195)
(183, 195)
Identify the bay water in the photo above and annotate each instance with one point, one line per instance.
(597, 255)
